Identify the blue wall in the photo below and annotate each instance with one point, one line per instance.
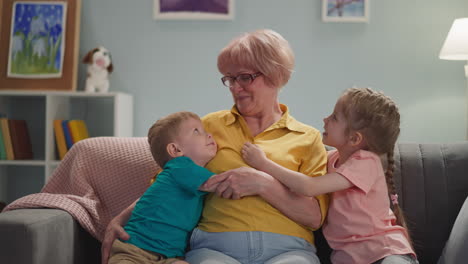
(171, 65)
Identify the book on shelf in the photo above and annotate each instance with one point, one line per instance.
(67, 134)
(78, 130)
(20, 139)
(60, 139)
(2, 146)
(7, 138)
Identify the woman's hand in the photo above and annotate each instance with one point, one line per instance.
(237, 183)
(115, 230)
(254, 156)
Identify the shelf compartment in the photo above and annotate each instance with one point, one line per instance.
(105, 114)
(19, 180)
(31, 109)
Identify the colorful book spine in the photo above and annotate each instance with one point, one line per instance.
(20, 139)
(67, 134)
(60, 139)
(7, 139)
(78, 130)
(2, 146)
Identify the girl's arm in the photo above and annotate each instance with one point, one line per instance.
(245, 181)
(296, 181)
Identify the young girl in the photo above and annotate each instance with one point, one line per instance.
(361, 227)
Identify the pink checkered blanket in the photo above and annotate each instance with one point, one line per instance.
(96, 180)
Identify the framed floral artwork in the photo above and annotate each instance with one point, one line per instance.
(41, 39)
(345, 10)
(36, 47)
(193, 10)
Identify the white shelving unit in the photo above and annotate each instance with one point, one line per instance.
(107, 114)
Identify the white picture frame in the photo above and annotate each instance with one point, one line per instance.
(345, 11)
(193, 10)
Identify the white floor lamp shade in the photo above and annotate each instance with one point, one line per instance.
(456, 48)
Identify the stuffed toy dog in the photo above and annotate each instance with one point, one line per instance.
(99, 67)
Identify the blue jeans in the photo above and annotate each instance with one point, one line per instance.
(398, 259)
(249, 248)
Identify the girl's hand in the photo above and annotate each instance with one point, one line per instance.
(254, 156)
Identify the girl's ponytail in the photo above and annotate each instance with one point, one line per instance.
(392, 191)
(394, 205)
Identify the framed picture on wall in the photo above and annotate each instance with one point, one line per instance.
(345, 10)
(36, 46)
(40, 40)
(193, 10)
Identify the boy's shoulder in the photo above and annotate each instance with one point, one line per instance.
(183, 165)
(179, 163)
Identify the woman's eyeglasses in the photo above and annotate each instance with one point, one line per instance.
(242, 79)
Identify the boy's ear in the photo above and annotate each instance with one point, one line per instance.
(173, 150)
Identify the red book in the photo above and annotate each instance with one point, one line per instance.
(20, 139)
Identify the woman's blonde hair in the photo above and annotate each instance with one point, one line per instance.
(376, 116)
(163, 132)
(264, 51)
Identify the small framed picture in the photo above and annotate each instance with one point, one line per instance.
(40, 44)
(193, 10)
(39, 26)
(345, 10)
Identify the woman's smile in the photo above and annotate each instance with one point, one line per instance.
(242, 97)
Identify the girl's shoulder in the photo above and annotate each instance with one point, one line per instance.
(359, 155)
(365, 154)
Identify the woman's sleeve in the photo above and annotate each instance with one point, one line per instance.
(315, 164)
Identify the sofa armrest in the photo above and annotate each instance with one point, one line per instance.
(45, 236)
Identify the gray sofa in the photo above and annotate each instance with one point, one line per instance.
(432, 181)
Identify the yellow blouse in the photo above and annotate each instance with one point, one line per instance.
(289, 143)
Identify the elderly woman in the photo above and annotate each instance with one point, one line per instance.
(253, 218)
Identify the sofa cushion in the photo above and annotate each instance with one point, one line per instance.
(432, 183)
(456, 248)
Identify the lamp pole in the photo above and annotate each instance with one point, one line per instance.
(466, 98)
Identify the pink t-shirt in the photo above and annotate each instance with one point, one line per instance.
(360, 226)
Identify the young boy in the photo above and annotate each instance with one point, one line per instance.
(163, 218)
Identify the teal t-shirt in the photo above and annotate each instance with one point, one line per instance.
(169, 210)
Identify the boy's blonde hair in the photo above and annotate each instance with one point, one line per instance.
(163, 132)
(263, 50)
(376, 116)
